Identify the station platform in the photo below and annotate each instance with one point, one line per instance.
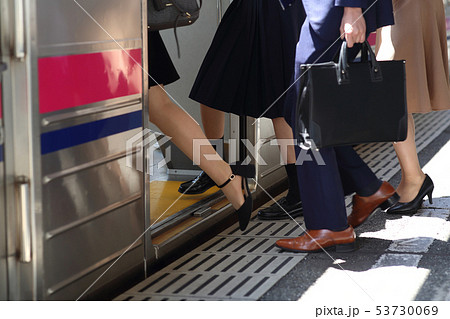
(402, 258)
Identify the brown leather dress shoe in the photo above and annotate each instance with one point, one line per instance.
(316, 240)
(363, 207)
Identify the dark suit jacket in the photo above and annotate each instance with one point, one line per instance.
(323, 20)
(379, 13)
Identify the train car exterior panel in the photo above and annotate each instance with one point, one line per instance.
(96, 208)
(77, 88)
(78, 157)
(73, 287)
(95, 241)
(88, 22)
(77, 196)
(90, 113)
(3, 251)
(69, 81)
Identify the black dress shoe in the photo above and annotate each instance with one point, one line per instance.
(245, 211)
(275, 212)
(413, 206)
(198, 185)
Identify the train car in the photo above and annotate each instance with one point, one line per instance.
(72, 96)
(86, 204)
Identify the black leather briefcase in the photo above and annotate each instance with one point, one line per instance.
(351, 103)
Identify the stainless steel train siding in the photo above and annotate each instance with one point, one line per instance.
(3, 266)
(71, 99)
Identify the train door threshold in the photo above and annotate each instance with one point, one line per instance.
(243, 266)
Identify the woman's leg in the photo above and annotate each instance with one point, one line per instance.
(213, 122)
(177, 124)
(412, 174)
(284, 136)
(285, 139)
(213, 125)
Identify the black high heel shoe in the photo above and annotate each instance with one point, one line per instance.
(245, 211)
(413, 206)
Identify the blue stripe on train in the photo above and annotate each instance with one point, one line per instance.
(88, 132)
(1, 153)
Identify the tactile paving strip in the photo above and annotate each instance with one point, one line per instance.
(243, 266)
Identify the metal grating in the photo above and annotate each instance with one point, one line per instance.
(239, 265)
(231, 266)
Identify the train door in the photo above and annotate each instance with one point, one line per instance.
(13, 269)
(174, 219)
(74, 98)
(3, 258)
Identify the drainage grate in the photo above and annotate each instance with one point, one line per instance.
(217, 287)
(228, 267)
(243, 266)
(266, 229)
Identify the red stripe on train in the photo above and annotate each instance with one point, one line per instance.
(74, 80)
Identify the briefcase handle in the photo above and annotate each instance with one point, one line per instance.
(161, 5)
(343, 75)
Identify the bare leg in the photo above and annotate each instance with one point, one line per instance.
(412, 174)
(213, 122)
(176, 123)
(285, 138)
(284, 134)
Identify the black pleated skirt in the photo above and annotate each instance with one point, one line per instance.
(160, 67)
(251, 60)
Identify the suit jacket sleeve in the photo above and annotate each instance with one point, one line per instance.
(351, 3)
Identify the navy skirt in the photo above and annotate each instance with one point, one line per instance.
(251, 60)
(160, 67)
